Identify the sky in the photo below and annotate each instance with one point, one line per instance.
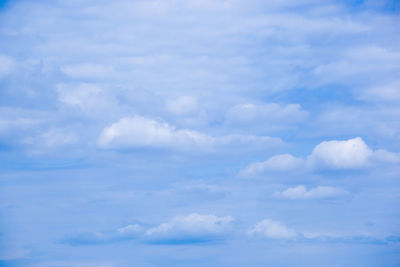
(199, 133)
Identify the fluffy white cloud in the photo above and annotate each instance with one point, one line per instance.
(271, 229)
(328, 155)
(7, 65)
(138, 131)
(191, 228)
(301, 192)
(347, 154)
(284, 162)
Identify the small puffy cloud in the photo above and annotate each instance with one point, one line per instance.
(93, 238)
(301, 192)
(347, 154)
(270, 115)
(7, 65)
(183, 105)
(192, 228)
(284, 162)
(138, 131)
(271, 229)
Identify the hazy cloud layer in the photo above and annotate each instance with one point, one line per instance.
(124, 126)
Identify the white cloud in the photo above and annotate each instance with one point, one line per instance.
(138, 131)
(328, 155)
(132, 229)
(347, 154)
(7, 65)
(284, 162)
(275, 230)
(193, 227)
(301, 192)
(271, 229)
(128, 232)
(183, 105)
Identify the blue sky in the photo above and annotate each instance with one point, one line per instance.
(199, 133)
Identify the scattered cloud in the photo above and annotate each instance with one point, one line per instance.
(284, 162)
(328, 155)
(275, 230)
(301, 192)
(347, 154)
(128, 232)
(193, 228)
(271, 229)
(140, 132)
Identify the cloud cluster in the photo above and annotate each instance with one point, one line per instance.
(205, 228)
(328, 155)
(142, 132)
(274, 230)
(188, 229)
(301, 192)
